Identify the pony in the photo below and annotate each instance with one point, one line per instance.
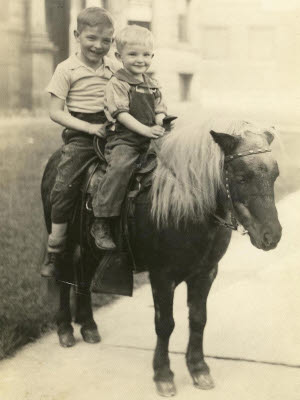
(209, 181)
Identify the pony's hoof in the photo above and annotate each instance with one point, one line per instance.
(90, 335)
(66, 339)
(165, 389)
(203, 381)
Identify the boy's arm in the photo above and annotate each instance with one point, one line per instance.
(160, 108)
(59, 115)
(134, 125)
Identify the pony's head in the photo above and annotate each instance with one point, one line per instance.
(251, 172)
(191, 174)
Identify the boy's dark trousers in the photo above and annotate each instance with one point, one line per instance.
(76, 154)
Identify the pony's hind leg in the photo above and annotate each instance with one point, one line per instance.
(163, 295)
(198, 290)
(64, 317)
(83, 300)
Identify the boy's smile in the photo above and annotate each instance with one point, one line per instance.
(95, 42)
(136, 58)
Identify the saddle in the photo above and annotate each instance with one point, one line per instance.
(114, 274)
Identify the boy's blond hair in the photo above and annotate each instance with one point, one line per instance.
(133, 34)
(93, 16)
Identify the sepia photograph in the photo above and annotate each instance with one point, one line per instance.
(149, 202)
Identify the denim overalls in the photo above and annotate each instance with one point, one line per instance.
(124, 147)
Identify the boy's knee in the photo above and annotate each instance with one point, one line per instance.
(64, 193)
(124, 160)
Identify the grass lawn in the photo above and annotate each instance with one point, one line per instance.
(24, 311)
(24, 152)
(25, 148)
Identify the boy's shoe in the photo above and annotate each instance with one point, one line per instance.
(102, 235)
(49, 268)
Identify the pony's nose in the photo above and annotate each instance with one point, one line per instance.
(267, 239)
(270, 240)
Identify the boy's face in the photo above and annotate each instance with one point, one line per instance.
(95, 42)
(136, 58)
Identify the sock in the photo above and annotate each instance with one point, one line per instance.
(57, 238)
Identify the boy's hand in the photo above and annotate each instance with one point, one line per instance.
(159, 119)
(172, 125)
(155, 132)
(97, 129)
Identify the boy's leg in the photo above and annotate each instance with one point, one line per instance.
(63, 198)
(56, 246)
(108, 200)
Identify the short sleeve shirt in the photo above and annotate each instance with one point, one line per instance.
(80, 86)
(117, 97)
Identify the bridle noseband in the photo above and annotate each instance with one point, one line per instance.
(234, 225)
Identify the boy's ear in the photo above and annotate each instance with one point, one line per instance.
(118, 56)
(152, 55)
(76, 34)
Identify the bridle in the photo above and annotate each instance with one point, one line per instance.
(234, 224)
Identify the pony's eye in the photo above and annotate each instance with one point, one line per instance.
(241, 180)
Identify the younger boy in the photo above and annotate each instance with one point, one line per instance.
(78, 82)
(134, 106)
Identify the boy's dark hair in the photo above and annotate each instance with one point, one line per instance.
(93, 16)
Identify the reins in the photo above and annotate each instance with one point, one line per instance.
(234, 225)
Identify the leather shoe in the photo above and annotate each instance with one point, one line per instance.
(49, 268)
(102, 235)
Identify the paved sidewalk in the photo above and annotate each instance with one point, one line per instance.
(253, 314)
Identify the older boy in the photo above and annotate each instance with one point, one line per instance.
(78, 83)
(134, 105)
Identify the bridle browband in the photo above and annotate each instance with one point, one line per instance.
(246, 153)
(234, 225)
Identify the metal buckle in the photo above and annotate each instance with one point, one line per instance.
(87, 205)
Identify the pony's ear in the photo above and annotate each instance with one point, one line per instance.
(269, 134)
(227, 142)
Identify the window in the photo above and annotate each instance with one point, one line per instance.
(144, 24)
(182, 28)
(105, 4)
(185, 86)
(4, 16)
(215, 42)
(183, 20)
(91, 3)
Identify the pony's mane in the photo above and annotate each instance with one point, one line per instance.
(189, 172)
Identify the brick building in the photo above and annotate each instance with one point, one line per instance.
(213, 51)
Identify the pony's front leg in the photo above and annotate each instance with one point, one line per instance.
(163, 295)
(198, 289)
(84, 316)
